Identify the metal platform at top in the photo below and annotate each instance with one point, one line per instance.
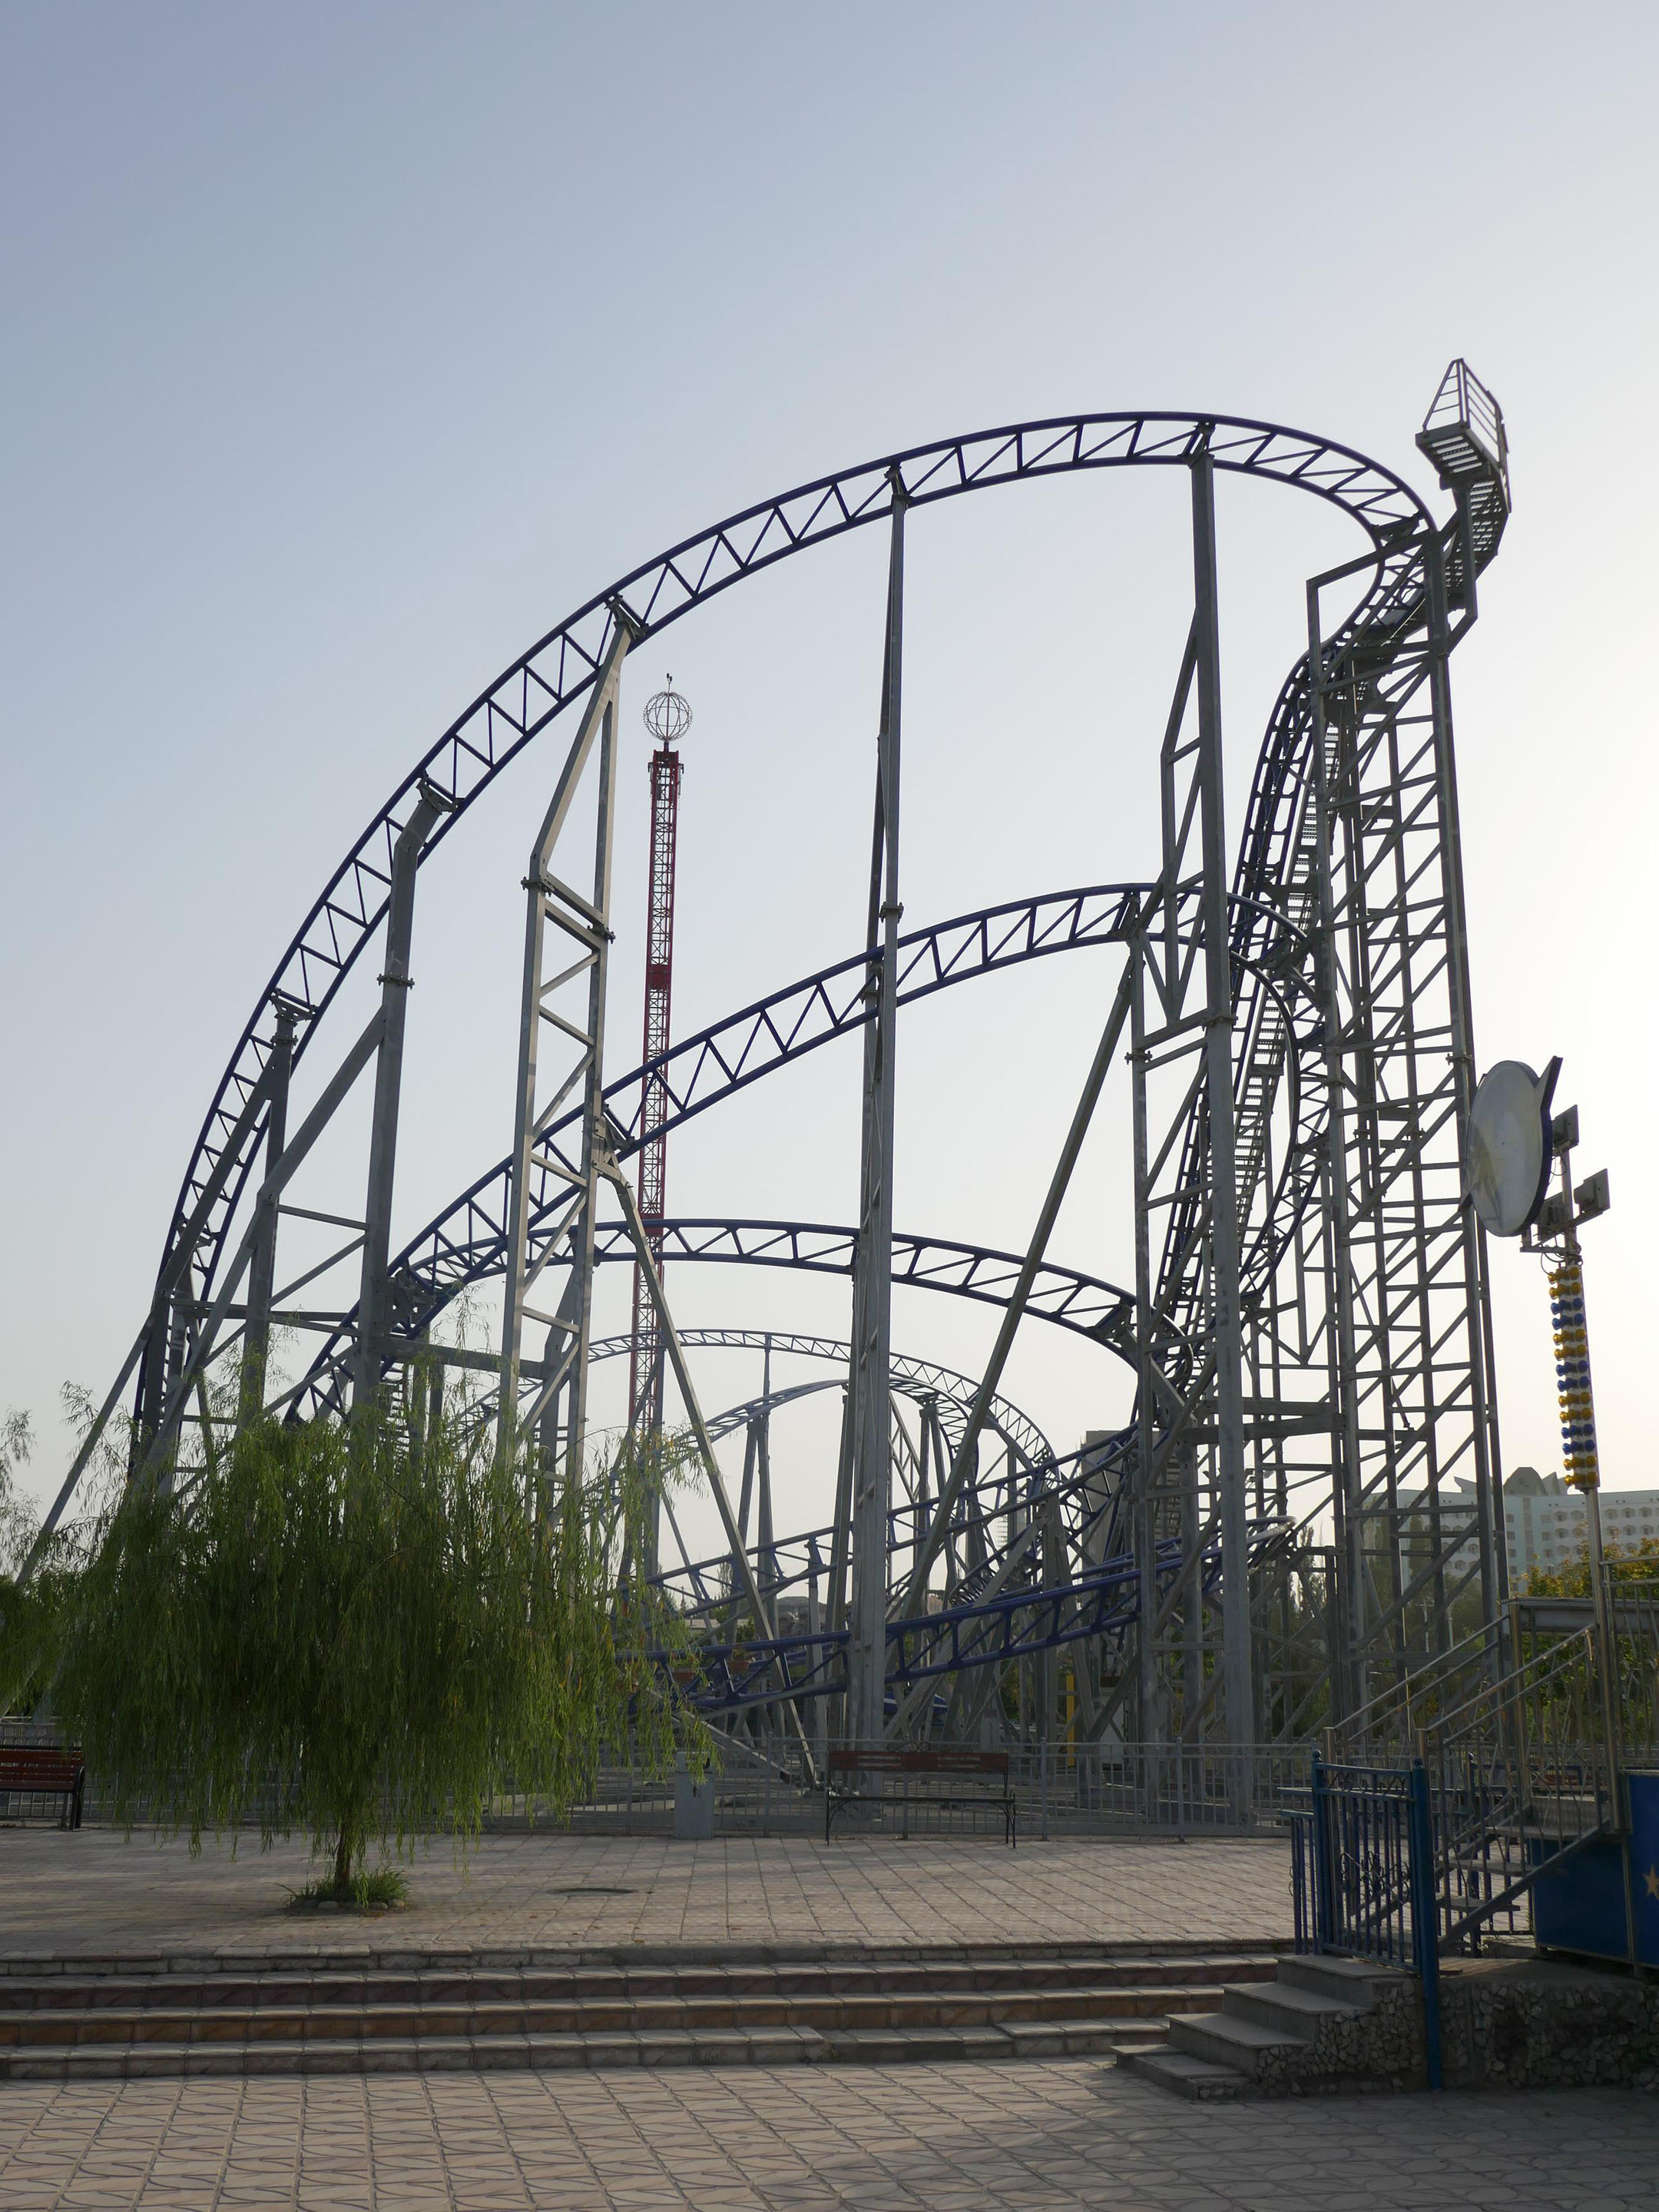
(1463, 435)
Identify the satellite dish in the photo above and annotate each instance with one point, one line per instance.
(1506, 1162)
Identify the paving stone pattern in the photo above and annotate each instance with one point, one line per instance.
(940, 2139)
(94, 1891)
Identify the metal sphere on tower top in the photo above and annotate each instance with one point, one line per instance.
(668, 714)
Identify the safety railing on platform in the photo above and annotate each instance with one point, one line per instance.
(1517, 1775)
(1463, 404)
(1500, 1658)
(1521, 1774)
(1387, 1727)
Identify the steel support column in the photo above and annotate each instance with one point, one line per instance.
(1237, 1688)
(1149, 1719)
(373, 1317)
(872, 1411)
(262, 1268)
(1488, 1465)
(606, 1165)
(1350, 1598)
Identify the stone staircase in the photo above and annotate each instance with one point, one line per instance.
(1318, 2024)
(66, 2019)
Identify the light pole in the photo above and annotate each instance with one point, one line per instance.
(1557, 1235)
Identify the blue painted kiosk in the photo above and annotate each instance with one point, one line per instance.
(1582, 1908)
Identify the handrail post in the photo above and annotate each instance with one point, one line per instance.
(1323, 1933)
(1426, 1919)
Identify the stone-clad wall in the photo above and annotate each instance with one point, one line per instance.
(1378, 2045)
(1514, 2024)
(1538, 2025)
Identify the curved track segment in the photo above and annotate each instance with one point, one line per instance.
(1087, 1305)
(790, 1562)
(466, 1243)
(916, 1378)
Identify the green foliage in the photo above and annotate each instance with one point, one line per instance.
(17, 1523)
(34, 1615)
(31, 1614)
(31, 1629)
(1633, 1575)
(1572, 1579)
(329, 1630)
(373, 1890)
(25, 1631)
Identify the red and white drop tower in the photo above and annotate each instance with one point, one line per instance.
(667, 717)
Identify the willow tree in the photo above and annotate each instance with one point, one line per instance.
(327, 1630)
(17, 1523)
(32, 1612)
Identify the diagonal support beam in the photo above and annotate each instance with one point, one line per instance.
(611, 1172)
(271, 1190)
(588, 922)
(1036, 1251)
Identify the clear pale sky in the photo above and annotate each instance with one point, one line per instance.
(347, 346)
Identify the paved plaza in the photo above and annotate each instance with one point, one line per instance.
(936, 2138)
(93, 1891)
(864, 2139)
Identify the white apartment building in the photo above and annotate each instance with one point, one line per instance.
(1544, 1521)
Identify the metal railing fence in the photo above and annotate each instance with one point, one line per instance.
(1059, 1789)
(1363, 1861)
(1500, 1658)
(1062, 1789)
(1400, 1860)
(1521, 1773)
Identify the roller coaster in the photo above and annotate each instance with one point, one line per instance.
(1303, 1507)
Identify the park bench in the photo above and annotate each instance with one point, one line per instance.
(914, 1780)
(43, 1770)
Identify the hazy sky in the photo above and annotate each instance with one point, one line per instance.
(350, 347)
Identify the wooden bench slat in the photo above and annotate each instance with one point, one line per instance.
(42, 1773)
(918, 1762)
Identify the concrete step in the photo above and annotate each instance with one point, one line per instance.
(1199, 2079)
(1225, 2041)
(1292, 2012)
(235, 1986)
(772, 2046)
(330, 2022)
(1208, 2052)
(127, 2018)
(1347, 1981)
